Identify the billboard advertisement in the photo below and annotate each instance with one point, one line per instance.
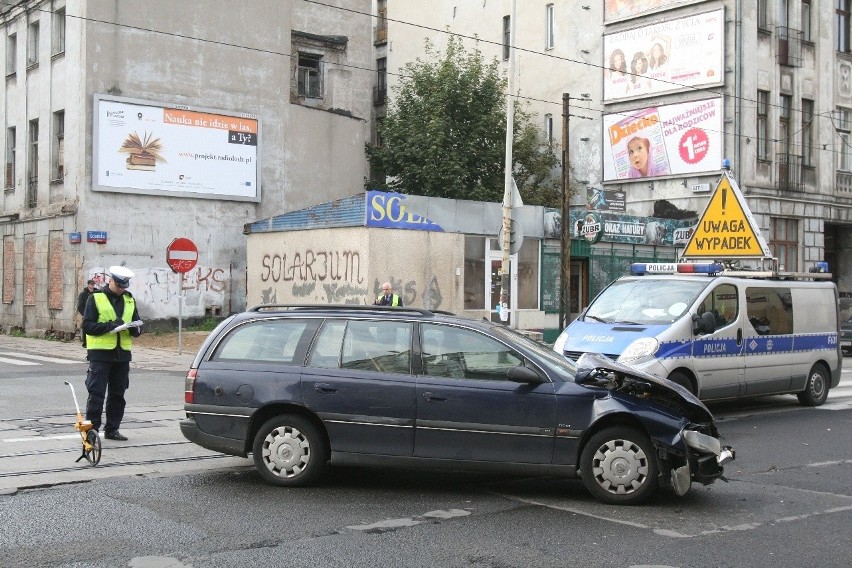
(623, 9)
(677, 139)
(153, 148)
(665, 57)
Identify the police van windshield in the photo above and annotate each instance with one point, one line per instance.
(645, 300)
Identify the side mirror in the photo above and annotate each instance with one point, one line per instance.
(521, 374)
(705, 323)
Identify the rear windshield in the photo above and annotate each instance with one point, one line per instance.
(645, 301)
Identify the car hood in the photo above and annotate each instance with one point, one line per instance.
(598, 370)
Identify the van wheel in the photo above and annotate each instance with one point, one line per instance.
(289, 451)
(618, 466)
(816, 387)
(683, 380)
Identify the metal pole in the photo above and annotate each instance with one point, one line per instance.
(505, 268)
(565, 268)
(180, 314)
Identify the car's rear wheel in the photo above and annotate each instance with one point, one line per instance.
(816, 387)
(289, 450)
(618, 466)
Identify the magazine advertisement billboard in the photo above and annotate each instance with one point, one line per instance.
(152, 148)
(683, 138)
(665, 57)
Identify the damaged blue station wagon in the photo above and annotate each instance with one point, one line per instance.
(300, 387)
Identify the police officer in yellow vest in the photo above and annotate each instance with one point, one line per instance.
(109, 351)
(387, 297)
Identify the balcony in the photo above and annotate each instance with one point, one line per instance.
(789, 170)
(843, 183)
(789, 47)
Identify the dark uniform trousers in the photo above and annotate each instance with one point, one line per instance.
(107, 377)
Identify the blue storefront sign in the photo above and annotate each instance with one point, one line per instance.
(96, 236)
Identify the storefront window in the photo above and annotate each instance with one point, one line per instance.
(474, 273)
(528, 275)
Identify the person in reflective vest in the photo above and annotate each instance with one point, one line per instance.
(109, 351)
(387, 297)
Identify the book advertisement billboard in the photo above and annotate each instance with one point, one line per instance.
(678, 139)
(151, 148)
(665, 57)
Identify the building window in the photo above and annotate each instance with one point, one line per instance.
(59, 31)
(10, 158)
(310, 75)
(548, 26)
(506, 39)
(807, 132)
(806, 20)
(784, 132)
(843, 16)
(58, 149)
(32, 44)
(381, 80)
(548, 128)
(762, 125)
(11, 53)
(762, 20)
(785, 242)
(32, 166)
(842, 126)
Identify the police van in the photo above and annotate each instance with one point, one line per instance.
(718, 332)
(721, 334)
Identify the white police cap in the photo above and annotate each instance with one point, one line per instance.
(121, 275)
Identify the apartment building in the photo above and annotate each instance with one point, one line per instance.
(129, 124)
(764, 84)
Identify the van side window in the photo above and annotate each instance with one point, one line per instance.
(723, 302)
(270, 341)
(770, 310)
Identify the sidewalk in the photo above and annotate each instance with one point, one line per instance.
(143, 357)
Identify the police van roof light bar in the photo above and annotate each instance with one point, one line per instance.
(708, 268)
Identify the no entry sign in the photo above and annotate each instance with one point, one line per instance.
(181, 255)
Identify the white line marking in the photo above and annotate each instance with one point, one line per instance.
(17, 362)
(41, 438)
(40, 358)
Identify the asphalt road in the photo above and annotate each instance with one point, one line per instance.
(158, 501)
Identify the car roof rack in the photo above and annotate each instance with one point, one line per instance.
(346, 307)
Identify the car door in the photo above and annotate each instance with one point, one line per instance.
(718, 357)
(467, 409)
(769, 353)
(358, 381)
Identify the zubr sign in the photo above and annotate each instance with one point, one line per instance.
(726, 228)
(181, 255)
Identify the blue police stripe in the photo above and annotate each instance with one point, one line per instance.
(757, 345)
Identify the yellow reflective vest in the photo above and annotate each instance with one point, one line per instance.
(106, 313)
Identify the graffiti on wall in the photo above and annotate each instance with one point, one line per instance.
(310, 265)
(157, 290)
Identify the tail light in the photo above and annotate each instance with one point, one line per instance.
(189, 386)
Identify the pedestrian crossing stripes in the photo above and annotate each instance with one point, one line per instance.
(26, 359)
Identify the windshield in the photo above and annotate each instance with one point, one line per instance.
(549, 358)
(646, 301)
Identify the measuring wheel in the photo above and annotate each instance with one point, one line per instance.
(92, 447)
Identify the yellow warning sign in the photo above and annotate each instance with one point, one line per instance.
(726, 228)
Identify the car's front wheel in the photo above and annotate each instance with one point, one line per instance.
(618, 466)
(289, 450)
(816, 387)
